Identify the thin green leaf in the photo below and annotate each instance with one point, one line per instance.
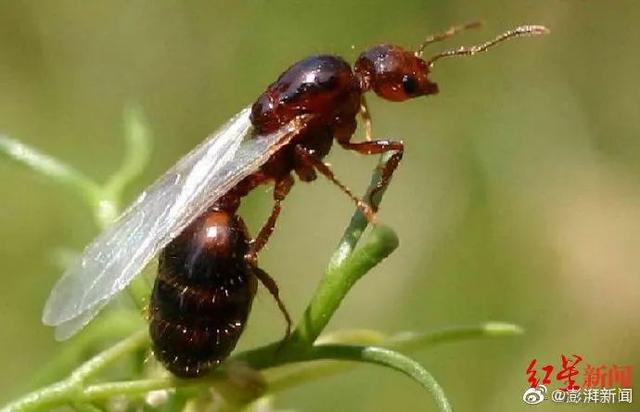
(410, 341)
(261, 358)
(85, 407)
(137, 152)
(293, 376)
(111, 326)
(51, 168)
(109, 356)
(388, 358)
(136, 158)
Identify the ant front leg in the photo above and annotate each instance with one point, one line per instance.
(271, 285)
(379, 147)
(308, 157)
(366, 118)
(280, 191)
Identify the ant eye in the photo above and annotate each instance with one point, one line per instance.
(409, 84)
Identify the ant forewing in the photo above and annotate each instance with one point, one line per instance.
(157, 216)
(291, 128)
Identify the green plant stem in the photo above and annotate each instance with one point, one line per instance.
(406, 342)
(138, 291)
(136, 158)
(136, 155)
(337, 282)
(112, 325)
(346, 267)
(410, 341)
(263, 358)
(107, 357)
(359, 222)
(71, 389)
(388, 358)
(103, 200)
(52, 169)
(85, 407)
(64, 391)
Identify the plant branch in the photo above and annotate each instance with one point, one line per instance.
(71, 389)
(96, 364)
(387, 358)
(359, 222)
(405, 342)
(85, 407)
(277, 380)
(137, 152)
(338, 280)
(112, 325)
(51, 168)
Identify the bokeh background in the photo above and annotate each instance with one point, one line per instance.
(518, 198)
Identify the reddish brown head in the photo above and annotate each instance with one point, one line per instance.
(397, 74)
(394, 73)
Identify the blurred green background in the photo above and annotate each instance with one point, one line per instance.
(518, 198)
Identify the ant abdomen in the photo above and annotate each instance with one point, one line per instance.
(202, 295)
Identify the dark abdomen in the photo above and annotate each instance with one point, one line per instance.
(202, 295)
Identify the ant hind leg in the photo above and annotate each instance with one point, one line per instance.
(271, 285)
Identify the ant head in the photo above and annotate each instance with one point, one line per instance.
(397, 74)
(394, 73)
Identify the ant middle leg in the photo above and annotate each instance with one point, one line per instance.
(379, 147)
(271, 285)
(280, 191)
(308, 157)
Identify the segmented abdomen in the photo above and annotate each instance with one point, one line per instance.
(198, 310)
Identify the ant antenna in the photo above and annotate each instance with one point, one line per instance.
(450, 32)
(520, 31)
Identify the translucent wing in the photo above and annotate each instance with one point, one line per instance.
(159, 214)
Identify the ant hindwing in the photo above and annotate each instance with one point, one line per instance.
(208, 271)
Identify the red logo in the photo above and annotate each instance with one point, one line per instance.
(578, 382)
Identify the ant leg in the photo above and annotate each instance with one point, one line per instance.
(308, 157)
(271, 285)
(378, 147)
(280, 191)
(450, 32)
(366, 118)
